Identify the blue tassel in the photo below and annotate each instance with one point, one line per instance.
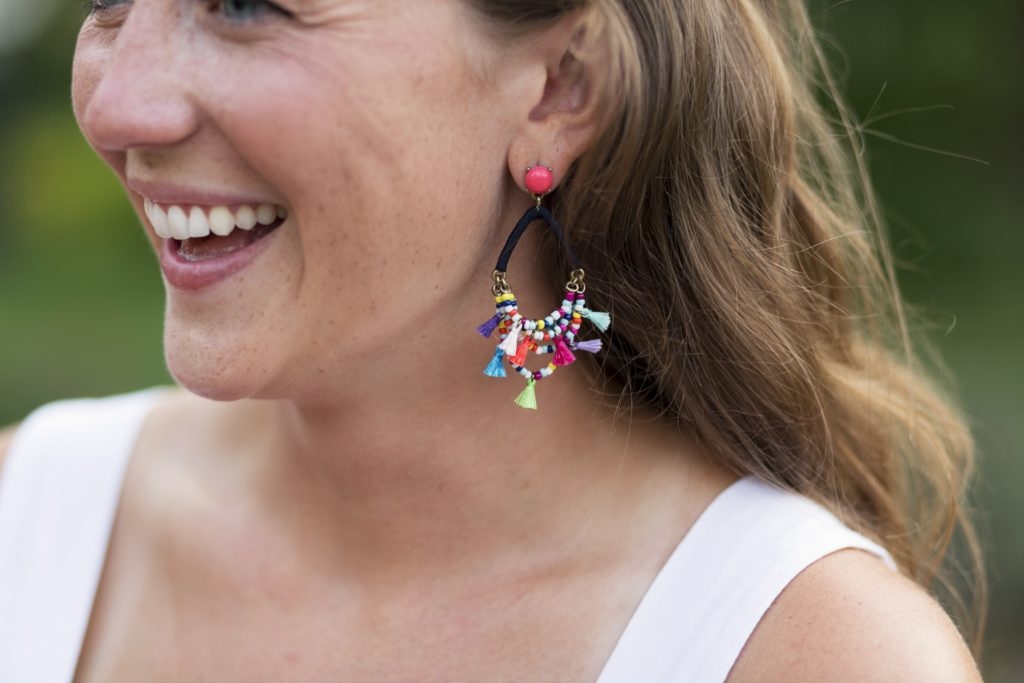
(601, 321)
(496, 368)
(489, 326)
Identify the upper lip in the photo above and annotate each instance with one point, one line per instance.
(170, 193)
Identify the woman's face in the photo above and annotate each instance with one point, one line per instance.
(380, 128)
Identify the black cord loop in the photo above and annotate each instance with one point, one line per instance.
(535, 213)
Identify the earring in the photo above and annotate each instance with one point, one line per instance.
(555, 333)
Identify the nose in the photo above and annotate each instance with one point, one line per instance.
(140, 96)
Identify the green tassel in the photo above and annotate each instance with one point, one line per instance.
(602, 321)
(528, 398)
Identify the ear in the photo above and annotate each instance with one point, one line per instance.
(568, 117)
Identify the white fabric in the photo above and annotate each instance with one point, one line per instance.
(59, 490)
(61, 485)
(749, 543)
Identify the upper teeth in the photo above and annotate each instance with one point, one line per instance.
(182, 222)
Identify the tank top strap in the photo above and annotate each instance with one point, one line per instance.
(743, 550)
(59, 491)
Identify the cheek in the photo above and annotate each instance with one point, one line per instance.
(384, 162)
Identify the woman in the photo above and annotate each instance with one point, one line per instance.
(338, 493)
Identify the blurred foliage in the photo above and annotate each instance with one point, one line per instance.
(81, 301)
(80, 293)
(942, 82)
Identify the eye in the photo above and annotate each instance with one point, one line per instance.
(95, 6)
(241, 11)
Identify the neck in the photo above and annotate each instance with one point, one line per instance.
(422, 465)
(391, 490)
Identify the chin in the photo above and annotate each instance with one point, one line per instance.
(225, 374)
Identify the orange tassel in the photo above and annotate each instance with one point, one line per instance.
(519, 358)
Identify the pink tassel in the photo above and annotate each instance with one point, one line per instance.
(563, 356)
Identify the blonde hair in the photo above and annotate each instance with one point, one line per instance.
(726, 220)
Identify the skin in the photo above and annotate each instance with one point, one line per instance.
(358, 463)
(341, 492)
(399, 196)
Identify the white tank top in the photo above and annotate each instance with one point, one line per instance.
(61, 484)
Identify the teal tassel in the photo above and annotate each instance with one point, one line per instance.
(601, 321)
(496, 368)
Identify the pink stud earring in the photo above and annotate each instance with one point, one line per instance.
(555, 333)
(539, 180)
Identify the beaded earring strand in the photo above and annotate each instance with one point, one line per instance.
(555, 333)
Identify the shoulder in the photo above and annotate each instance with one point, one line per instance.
(848, 617)
(6, 436)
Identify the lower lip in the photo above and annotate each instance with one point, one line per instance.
(192, 276)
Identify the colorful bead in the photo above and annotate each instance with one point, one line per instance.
(553, 334)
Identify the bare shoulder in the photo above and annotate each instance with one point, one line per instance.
(848, 617)
(6, 436)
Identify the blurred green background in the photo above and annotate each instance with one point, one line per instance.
(81, 298)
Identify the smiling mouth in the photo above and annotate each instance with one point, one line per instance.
(201, 233)
(215, 246)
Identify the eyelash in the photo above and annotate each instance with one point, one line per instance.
(90, 7)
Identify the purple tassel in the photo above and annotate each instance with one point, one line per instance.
(488, 327)
(591, 345)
